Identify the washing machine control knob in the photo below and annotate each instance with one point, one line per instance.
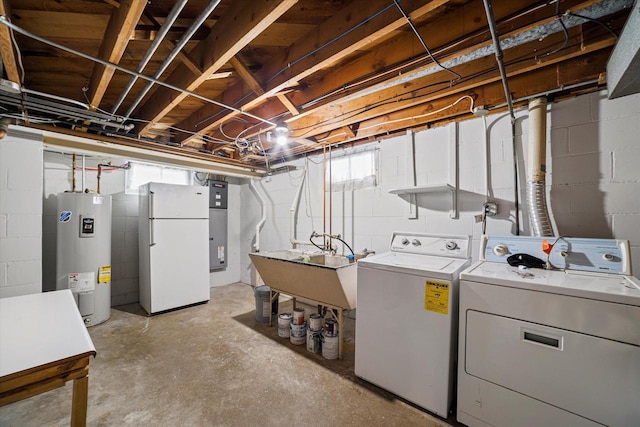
(416, 242)
(405, 241)
(501, 249)
(608, 257)
(451, 245)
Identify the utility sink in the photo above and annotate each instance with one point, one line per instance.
(325, 278)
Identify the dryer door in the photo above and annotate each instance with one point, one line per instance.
(593, 377)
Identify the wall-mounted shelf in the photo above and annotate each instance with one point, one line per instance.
(434, 188)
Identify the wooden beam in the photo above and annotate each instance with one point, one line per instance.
(246, 75)
(460, 24)
(305, 58)
(288, 104)
(548, 77)
(116, 37)
(182, 55)
(363, 107)
(6, 46)
(238, 26)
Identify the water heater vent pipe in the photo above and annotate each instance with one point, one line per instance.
(536, 172)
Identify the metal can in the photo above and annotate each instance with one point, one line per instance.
(316, 322)
(298, 316)
(330, 327)
(314, 339)
(284, 325)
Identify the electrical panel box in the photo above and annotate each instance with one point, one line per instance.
(218, 225)
(218, 194)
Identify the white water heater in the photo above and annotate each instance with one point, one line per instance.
(84, 253)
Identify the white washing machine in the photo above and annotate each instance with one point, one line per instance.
(556, 347)
(407, 317)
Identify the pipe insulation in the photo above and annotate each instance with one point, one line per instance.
(537, 169)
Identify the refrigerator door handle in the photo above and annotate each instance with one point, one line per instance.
(150, 204)
(151, 240)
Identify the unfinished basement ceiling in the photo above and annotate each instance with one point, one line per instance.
(332, 71)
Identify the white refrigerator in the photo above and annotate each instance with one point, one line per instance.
(173, 232)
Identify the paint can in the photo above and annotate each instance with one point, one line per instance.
(298, 334)
(264, 306)
(298, 316)
(330, 327)
(314, 340)
(284, 325)
(330, 346)
(315, 322)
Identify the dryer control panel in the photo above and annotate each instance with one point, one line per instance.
(565, 253)
(432, 244)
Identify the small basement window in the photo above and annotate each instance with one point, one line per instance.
(353, 171)
(141, 173)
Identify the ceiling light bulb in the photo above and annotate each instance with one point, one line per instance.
(281, 134)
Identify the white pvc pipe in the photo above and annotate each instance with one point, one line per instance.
(536, 171)
(263, 218)
(293, 211)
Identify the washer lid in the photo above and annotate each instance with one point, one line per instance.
(447, 268)
(604, 287)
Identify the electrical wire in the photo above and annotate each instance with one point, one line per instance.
(338, 37)
(564, 30)
(426, 114)
(5, 21)
(424, 44)
(577, 15)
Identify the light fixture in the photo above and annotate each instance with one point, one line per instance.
(281, 134)
(9, 87)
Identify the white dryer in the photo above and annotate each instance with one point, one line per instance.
(540, 347)
(407, 317)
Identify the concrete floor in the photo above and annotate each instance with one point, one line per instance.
(213, 364)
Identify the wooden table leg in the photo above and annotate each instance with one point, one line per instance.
(79, 402)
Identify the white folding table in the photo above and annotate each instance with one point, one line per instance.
(43, 344)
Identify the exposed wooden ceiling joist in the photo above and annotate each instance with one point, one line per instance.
(239, 26)
(335, 72)
(119, 30)
(315, 51)
(6, 47)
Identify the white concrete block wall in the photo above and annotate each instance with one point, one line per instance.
(20, 212)
(593, 182)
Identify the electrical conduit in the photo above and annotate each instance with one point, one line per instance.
(162, 33)
(172, 55)
(536, 184)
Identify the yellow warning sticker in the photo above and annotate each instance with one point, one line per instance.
(104, 274)
(436, 296)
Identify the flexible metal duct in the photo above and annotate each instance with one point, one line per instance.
(536, 184)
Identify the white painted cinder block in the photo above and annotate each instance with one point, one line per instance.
(604, 109)
(18, 290)
(571, 112)
(626, 165)
(24, 273)
(24, 225)
(627, 227)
